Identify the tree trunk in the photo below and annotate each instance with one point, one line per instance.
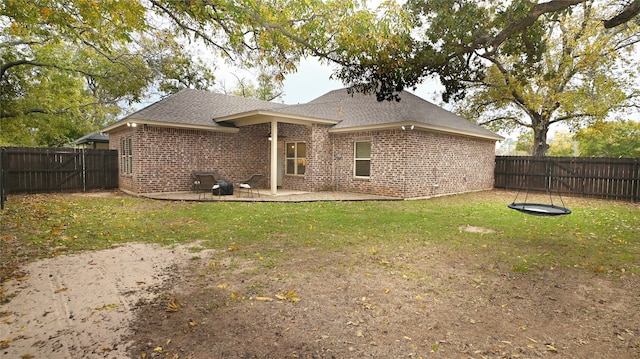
(540, 145)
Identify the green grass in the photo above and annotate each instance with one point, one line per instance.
(600, 236)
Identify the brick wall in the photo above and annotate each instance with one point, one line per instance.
(415, 163)
(405, 164)
(163, 158)
(297, 133)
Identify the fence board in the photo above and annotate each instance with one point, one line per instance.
(609, 178)
(37, 170)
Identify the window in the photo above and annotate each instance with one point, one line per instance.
(362, 166)
(296, 158)
(126, 155)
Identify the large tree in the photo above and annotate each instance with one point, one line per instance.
(448, 36)
(114, 52)
(579, 76)
(67, 67)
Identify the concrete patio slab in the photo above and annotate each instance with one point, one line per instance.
(264, 196)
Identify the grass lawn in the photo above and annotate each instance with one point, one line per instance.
(451, 277)
(600, 236)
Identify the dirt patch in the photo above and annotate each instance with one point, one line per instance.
(363, 305)
(81, 306)
(474, 229)
(141, 301)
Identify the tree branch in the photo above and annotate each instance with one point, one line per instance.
(186, 27)
(627, 14)
(508, 118)
(8, 65)
(570, 117)
(533, 15)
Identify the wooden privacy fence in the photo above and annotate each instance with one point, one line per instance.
(36, 170)
(609, 178)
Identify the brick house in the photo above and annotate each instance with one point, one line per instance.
(339, 141)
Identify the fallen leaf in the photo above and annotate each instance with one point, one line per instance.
(27, 356)
(173, 306)
(109, 307)
(264, 299)
(157, 349)
(551, 348)
(233, 248)
(143, 355)
(5, 343)
(60, 290)
(289, 296)
(105, 349)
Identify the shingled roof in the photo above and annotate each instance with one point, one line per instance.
(343, 110)
(360, 111)
(195, 108)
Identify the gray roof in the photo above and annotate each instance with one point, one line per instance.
(359, 110)
(93, 137)
(196, 107)
(347, 111)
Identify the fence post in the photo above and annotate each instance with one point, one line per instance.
(2, 179)
(84, 169)
(635, 178)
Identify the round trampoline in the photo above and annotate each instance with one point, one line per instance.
(540, 209)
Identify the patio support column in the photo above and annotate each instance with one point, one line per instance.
(273, 177)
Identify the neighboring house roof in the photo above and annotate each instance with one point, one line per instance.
(93, 137)
(342, 110)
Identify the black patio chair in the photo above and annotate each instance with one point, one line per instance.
(250, 184)
(205, 181)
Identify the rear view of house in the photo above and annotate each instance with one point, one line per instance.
(339, 141)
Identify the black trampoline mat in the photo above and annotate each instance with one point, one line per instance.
(540, 209)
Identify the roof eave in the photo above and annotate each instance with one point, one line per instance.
(262, 116)
(139, 122)
(409, 125)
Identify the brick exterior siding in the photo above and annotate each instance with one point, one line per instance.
(410, 164)
(405, 164)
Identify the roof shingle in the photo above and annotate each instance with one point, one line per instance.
(348, 110)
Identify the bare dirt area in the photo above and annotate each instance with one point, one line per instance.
(80, 305)
(364, 305)
(422, 301)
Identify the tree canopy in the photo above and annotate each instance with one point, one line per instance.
(67, 67)
(576, 79)
(449, 38)
(610, 139)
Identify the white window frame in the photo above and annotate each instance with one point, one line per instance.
(356, 159)
(126, 155)
(297, 161)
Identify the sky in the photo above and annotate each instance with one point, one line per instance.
(313, 80)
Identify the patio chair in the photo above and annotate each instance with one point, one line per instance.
(250, 184)
(205, 181)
